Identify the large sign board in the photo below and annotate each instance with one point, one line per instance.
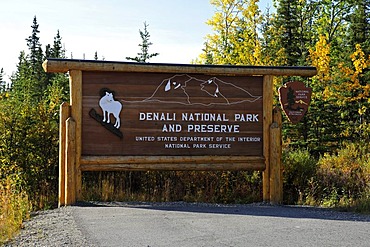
(132, 116)
(153, 114)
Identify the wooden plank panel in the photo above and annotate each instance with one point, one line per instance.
(143, 97)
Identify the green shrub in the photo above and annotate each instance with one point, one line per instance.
(343, 179)
(299, 169)
(362, 204)
(29, 145)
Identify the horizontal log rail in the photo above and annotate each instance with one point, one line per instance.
(176, 167)
(64, 65)
(142, 163)
(167, 159)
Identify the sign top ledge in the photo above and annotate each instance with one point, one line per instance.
(57, 65)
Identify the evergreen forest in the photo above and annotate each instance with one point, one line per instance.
(326, 157)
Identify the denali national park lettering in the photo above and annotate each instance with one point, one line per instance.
(182, 123)
(199, 117)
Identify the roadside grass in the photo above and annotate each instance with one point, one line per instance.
(15, 207)
(164, 186)
(363, 204)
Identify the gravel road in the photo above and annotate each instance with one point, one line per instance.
(56, 227)
(193, 224)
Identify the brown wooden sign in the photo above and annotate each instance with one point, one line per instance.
(132, 116)
(171, 114)
(295, 99)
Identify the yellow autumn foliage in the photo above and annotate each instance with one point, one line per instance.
(235, 37)
(357, 90)
(14, 208)
(320, 57)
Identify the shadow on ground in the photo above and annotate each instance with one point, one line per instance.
(255, 209)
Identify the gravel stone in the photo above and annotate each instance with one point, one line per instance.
(55, 227)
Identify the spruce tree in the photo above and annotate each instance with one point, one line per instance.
(48, 51)
(2, 82)
(294, 24)
(144, 55)
(359, 32)
(30, 80)
(272, 52)
(33, 43)
(287, 21)
(38, 78)
(359, 27)
(58, 51)
(332, 22)
(22, 79)
(29, 122)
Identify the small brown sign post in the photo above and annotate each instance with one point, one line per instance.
(133, 116)
(295, 99)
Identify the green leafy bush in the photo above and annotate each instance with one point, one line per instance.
(343, 179)
(299, 169)
(29, 145)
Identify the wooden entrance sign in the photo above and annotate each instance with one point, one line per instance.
(133, 116)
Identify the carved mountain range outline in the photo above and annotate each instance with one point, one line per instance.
(188, 90)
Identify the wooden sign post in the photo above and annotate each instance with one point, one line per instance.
(132, 116)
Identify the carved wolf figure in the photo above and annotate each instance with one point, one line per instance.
(110, 106)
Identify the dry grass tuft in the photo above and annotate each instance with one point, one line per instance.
(14, 208)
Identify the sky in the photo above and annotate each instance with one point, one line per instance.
(177, 28)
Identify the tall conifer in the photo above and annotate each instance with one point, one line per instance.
(144, 56)
(287, 23)
(33, 43)
(2, 82)
(58, 51)
(359, 28)
(294, 24)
